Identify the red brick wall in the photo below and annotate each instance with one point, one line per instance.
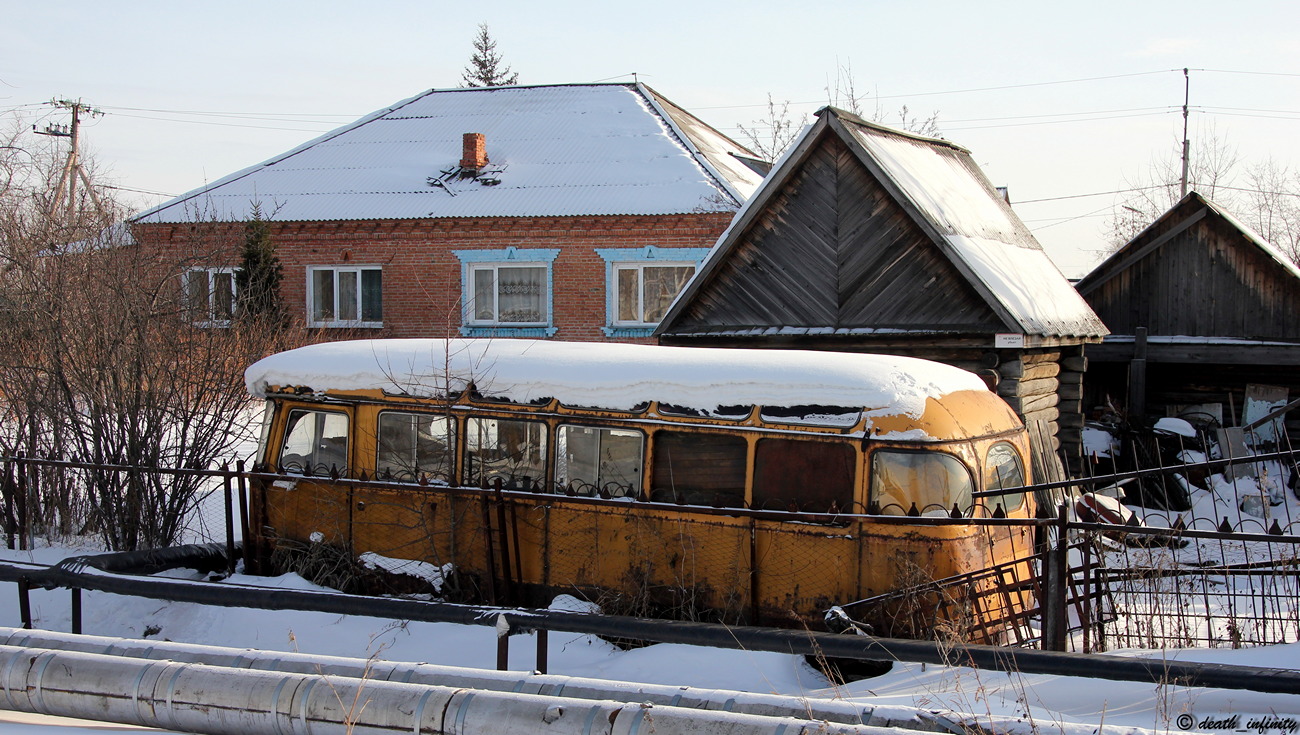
(422, 275)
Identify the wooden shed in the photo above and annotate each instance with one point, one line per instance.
(1200, 309)
(868, 239)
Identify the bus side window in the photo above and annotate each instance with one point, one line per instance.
(315, 442)
(698, 469)
(514, 451)
(414, 447)
(1002, 468)
(935, 482)
(593, 461)
(803, 476)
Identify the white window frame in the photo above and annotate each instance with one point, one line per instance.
(618, 259)
(477, 261)
(208, 317)
(359, 322)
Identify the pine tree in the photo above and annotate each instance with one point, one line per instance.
(485, 68)
(257, 281)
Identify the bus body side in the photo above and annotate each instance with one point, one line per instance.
(567, 521)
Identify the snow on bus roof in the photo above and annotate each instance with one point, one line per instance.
(615, 376)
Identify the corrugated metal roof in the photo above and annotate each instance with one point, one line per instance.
(555, 151)
(946, 187)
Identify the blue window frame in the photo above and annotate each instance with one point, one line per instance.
(641, 283)
(507, 293)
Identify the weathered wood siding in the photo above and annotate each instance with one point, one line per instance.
(832, 249)
(1206, 280)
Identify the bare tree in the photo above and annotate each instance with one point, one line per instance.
(1264, 195)
(770, 135)
(101, 363)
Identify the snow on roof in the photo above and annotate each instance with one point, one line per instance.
(1253, 236)
(552, 150)
(946, 187)
(616, 376)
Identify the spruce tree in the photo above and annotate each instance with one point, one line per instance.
(257, 281)
(485, 68)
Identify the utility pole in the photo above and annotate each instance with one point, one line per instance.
(72, 169)
(1187, 88)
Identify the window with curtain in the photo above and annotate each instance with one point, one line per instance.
(644, 292)
(509, 294)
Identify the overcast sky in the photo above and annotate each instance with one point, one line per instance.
(1055, 100)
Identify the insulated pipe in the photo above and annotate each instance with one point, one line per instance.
(771, 705)
(226, 701)
(830, 645)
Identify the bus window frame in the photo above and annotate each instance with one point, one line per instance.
(452, 450)
(996, 499)
(287, 429)
(636, 491)
(873, 506)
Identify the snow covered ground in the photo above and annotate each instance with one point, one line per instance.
(1040, 702)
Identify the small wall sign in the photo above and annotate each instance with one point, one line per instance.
(1008, 341)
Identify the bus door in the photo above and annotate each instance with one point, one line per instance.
(411, 523)
(302, 508)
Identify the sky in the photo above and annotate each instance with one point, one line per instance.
(1061, 103)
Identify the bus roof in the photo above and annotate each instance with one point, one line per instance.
(617, 376)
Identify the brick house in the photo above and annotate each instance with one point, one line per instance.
(568, 211)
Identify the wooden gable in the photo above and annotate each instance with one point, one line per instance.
(1197, 272)
(833, 249)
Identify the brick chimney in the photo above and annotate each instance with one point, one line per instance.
(473, 152)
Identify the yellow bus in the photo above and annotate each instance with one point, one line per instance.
(758, 486)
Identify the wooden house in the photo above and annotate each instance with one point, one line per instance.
(867, 239)
(1200, 309)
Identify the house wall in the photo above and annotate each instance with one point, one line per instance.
(421, 272)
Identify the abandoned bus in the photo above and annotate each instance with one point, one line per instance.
(742, 485)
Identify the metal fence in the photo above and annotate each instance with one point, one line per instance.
(1177, 580)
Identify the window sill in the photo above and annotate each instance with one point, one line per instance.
(491, 331)
(623, 332)
(346, 325)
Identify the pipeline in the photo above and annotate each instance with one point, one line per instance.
(836, 711)
(805, 643)
(772, 705)
(225, 701)
(70, 574)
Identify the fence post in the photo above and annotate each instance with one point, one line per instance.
(230, 519)
(543, 650)
(25, 602)
(76, 611)
(1055, 583)
(244, 527)
(20, 495)
(11, 524)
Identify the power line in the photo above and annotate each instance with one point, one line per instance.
(220, 124)
(965, 91)
(1094, 194)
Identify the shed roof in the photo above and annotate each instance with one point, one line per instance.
(590, 149)
(944, 194)
(1197, 272)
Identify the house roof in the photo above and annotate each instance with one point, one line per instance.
(1137, 248)
(1194, 273)
(591, 149)
(945, 194)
